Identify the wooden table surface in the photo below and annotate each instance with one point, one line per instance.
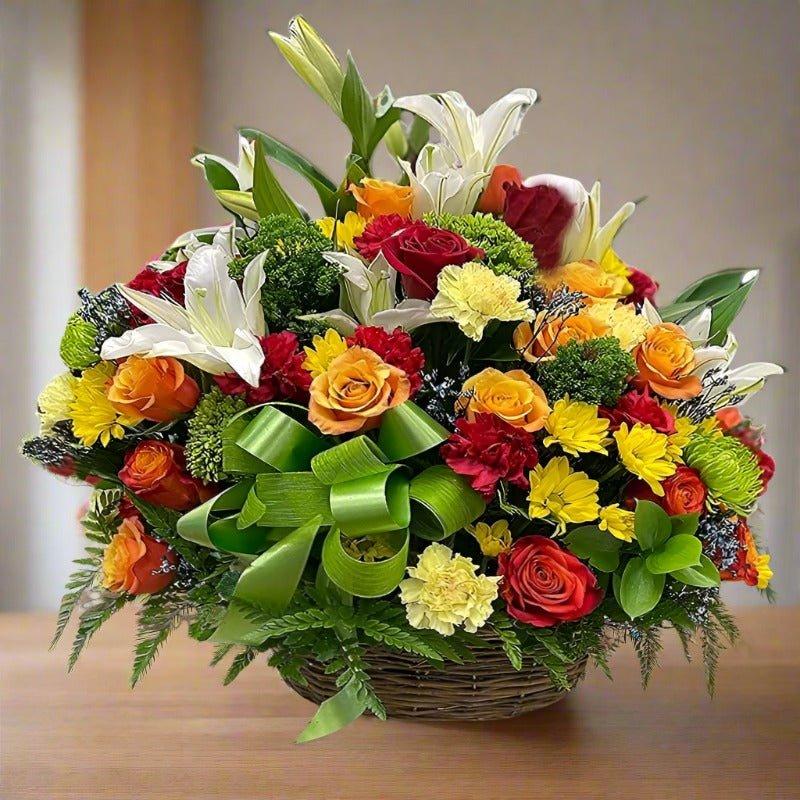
(181, 735)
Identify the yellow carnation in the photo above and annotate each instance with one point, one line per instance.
(493, 539)
(562, 495)
(645, 453)
(473, 295)
(618, 522)
(444, 591)
(93, 417)
(347, 229)
(54, 401)
(576, 427)
(323, 350)
(622, 320)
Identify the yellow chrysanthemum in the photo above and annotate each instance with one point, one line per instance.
(614, 265)
(644, 452)
(473, 295)
(324, 349)
(684, 428)
(625, 324)
(347, 229)
(618, 522)
(444, 591)
(763, 570)
(576, 427)
(93, 417)
(54, 401)
(562, 495)
(493, 539)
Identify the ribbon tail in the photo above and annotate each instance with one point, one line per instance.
(334, 714)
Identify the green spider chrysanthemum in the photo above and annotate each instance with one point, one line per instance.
(728, 468)
(79, 343)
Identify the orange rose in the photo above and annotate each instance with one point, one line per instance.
(376, 198)
(156, 389)
(136, 563)
(666, 360)
(587, 277)
(512, 396)
(156, 472)
(552, 335)
(355, 390)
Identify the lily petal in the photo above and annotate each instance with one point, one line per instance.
(164, 311)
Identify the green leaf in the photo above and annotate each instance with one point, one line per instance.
(676, 553)
(639, 590)
(600, 548)
(704, 575)
(718, 284)
(651, 524)
(357, 110)
(684, 523)
(218, 175)
(724, 312)
(283, 154)
(268, 195)
(336, 712)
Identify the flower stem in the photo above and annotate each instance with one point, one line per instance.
(613, 472)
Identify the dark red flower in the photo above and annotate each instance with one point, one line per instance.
(644, 287)
(489, 450)
(639, 406)
(493, 197)
(167, 285)
(540, 215)
(543, 584)
(684, 493)
(766, 464)
(419, 253)
(378, 230)
(395, 348)
(282, 374)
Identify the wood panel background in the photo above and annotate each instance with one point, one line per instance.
(142, 65)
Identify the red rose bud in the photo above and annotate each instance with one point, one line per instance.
(644, 287)
(378, 230)
(167, 285)
(419, 253)
(493, 198)
(543, 584)
(639, 406)
(156, 472)
(540, 215)
(729, 418)
(395, 348)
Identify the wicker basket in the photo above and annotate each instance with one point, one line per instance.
(486, 689)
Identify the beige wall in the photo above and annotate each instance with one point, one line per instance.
(693, 104)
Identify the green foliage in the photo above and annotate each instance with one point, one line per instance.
(95, 614)
(728, 468)
(158, 617)
(599, 548)
(595, 371)
(506, 253)
(243, 659)
(298, 279)
(79, 343)
(512, 647)
(204, 438)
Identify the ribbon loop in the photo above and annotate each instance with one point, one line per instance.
(444, 503)
(373, 503)
(407, 431)
(355, 458)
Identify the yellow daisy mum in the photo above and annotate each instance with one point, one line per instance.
(562, 495)
(644, 452)
(625, 324)
(324, 349)
(763, 570)
(684, 428)
(576, 427)
(473, 295)
(493, 539)
(618, 522)
(54, 401)
(347, 229)
(93, 417)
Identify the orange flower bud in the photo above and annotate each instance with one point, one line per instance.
(493, 198)
(376, 198)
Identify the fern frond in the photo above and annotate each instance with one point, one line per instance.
(97, 613)
(509, 639)
(158, 617)
(77, 584)
(220, 651)
(647, 645)
(242, 660)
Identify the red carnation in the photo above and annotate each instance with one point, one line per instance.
(639, 406)
(395, 348)
(489, 450)
(644, 287)
(543, 584)
(540, 215)
(282, 374)
(378, 230)
(167, 285)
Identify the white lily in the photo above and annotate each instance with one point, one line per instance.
(218, 329)
(243, 171)
(585, 238)
(449, 176)
(370, 293)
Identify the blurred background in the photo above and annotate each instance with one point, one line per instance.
(693, 104)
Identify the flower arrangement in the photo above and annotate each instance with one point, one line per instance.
(444, 416)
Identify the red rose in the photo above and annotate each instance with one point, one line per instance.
(543, 584)
(639, 406)
(156, 472)
(489, 450)
(540, 215)
(644, 287)
(395, 348)
(282, 374)
(378, 230)
(493, 197)
(419, 253)
(168, 285)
